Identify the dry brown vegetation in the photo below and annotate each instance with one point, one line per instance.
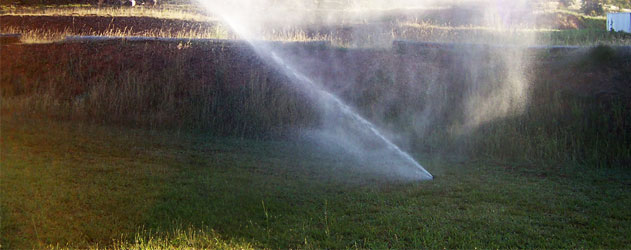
(184, 21)
(165, 11)
(37, 29)
(225, 89)
(168, 85)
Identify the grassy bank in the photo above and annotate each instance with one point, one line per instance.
(164, 85)
(44, 25)
(71, 184)
(222, 88)
(584, 37)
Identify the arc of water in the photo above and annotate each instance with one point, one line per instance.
(265, 51)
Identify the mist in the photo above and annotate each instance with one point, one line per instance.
(493, 64)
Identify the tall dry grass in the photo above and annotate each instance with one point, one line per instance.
(578, 110)
(163, 11)
(46, 36)
(164, 86)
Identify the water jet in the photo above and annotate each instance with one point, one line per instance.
(346, 122)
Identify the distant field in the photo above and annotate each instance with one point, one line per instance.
(164, 11)
(49, 24)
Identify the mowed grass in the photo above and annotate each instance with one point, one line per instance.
(70, 184)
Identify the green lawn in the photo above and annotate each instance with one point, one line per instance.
(77, 185)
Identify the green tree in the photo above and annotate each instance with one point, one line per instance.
(593, 7)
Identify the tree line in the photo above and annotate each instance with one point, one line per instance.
(597, 7)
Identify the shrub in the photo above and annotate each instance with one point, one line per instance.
(593, 7)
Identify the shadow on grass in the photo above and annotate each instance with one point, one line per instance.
(277, 194)
(84, 186)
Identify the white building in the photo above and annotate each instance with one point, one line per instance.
(619, 22)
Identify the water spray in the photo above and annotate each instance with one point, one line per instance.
(236, 16)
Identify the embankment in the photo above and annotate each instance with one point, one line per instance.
(578, 101)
